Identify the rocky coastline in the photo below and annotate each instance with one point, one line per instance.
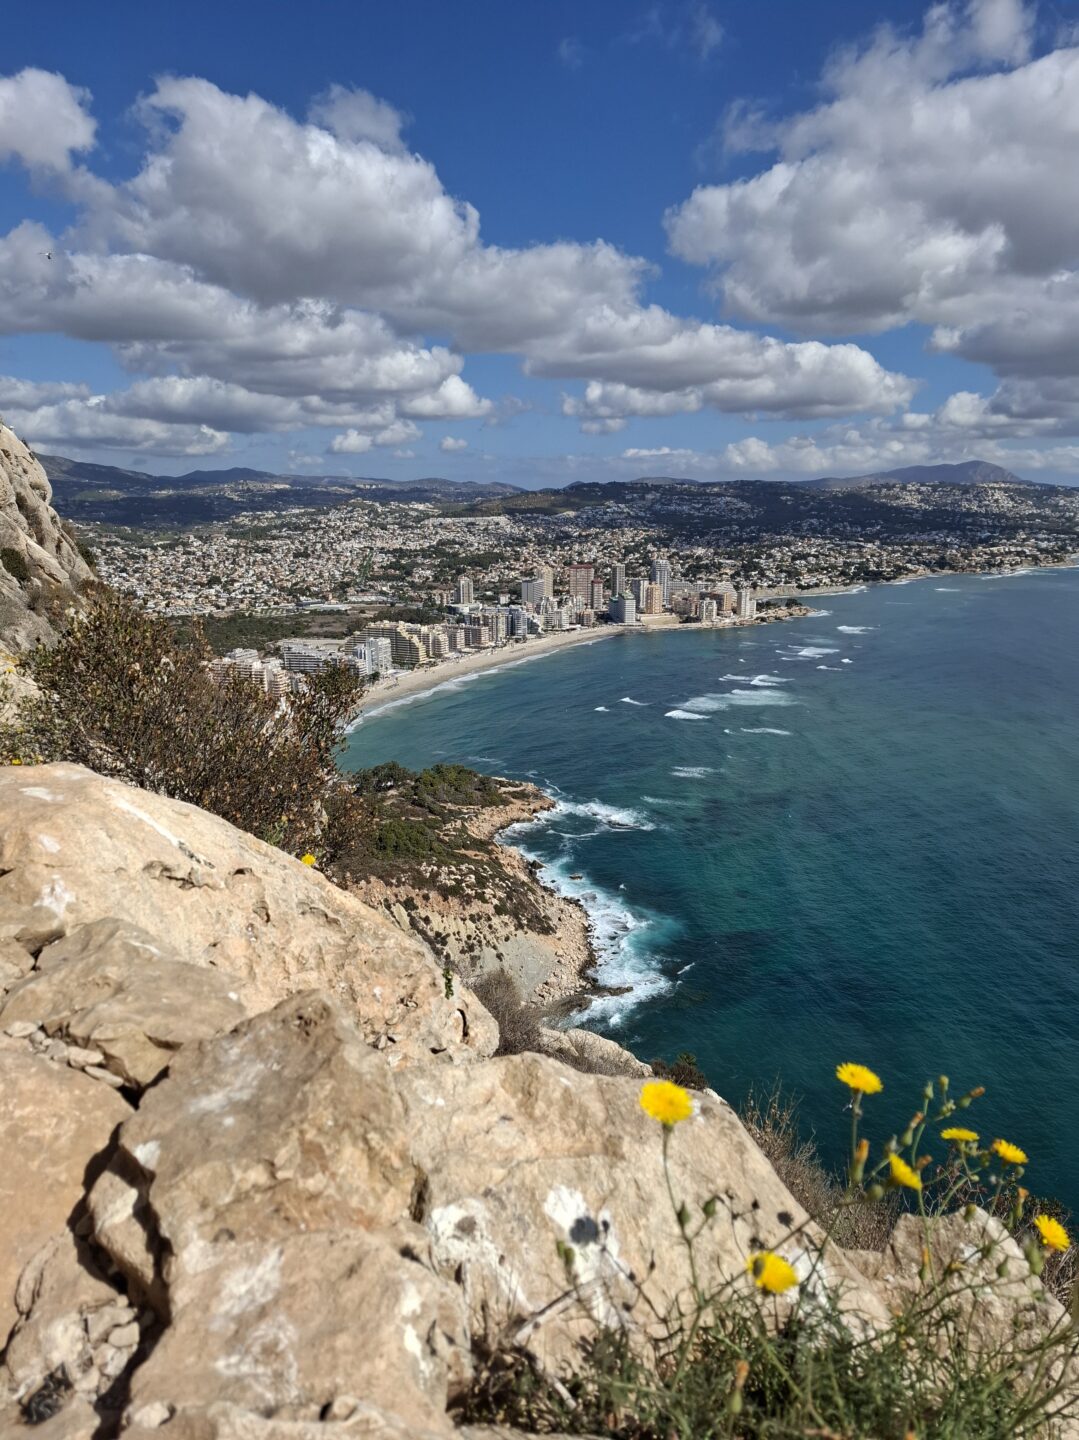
(540, 938)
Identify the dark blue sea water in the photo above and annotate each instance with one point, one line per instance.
(849, 837)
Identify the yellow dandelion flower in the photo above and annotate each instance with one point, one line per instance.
(1053, 1234)
(902, 1174)
(666, 1102)
(859, 1077)
(957, 1132)
(308, 859)
(771, 1272)
(1009, 1153)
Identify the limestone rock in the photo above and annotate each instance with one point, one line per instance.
(68, 1312)
(55, 1128)
(36, 542)
(992, 1284)
(284, 1327)
(76, 848)
(15, 962)
(110, 987)
(595, 1054)
(287, 1124)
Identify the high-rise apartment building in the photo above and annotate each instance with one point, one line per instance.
(653, 599)
(533, 591)
(747, 605)
(618, 579)
(595, 595)
(637, 586)
(661, 576)
(709, 611)
(463, 593)
(623, 610)
(579, 580)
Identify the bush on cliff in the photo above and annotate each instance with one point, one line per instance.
(118, 694)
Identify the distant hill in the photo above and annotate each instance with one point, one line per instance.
(966, 472)
(108, 493)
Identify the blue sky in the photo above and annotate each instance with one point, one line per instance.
(542, 242)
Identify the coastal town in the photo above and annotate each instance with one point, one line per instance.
(394, 587)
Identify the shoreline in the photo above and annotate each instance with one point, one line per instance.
(579, 985)
(412, 684)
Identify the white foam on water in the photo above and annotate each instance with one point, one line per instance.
(1004, 575)
(628, 700)
(762, 730)
(809, 652)
(733, 699)
(601, 710)
(846, 662)
(620, 935)
(827, 667)
(947, 589)
(659, 800)
(691, 772)
(857, 629)
(683, 715)
(762, 681)
(612, 816)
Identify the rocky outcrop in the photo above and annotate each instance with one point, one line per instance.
(76, 848)
(264, 1181)
(39, 559)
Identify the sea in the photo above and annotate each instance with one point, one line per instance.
(853, 836)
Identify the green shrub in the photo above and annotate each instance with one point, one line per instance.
(119, 695)
(14, 562)
(684, 1070)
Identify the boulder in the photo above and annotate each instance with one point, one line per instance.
(546, 1197)
(76, 848)
(594, 1054)
(109, 986)
(56, 1130)
(288, 1124)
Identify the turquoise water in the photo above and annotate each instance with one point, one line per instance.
(864, 846)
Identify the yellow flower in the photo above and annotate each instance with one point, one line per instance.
(771, 1272)
(666, 1102)
(308, 859)
(957, 1132)
(902, 1174)
(1009, 1153)
(859, 1077)
(1053, 1234)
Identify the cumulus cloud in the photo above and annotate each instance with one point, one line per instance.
(448, 444)
(43, 120)
(936, 183)
(260, 271)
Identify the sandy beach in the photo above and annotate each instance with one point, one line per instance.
(433, 677)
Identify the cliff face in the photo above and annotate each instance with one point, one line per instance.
(39, 561)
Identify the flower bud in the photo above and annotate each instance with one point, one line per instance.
(875, 1192)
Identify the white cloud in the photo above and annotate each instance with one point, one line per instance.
(935, 183)
(356, 115)
(43, 120)
(706, 33)
(261, 272)
(448, 444)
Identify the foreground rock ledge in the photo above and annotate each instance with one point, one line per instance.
(76, 848)
(266, 1181)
